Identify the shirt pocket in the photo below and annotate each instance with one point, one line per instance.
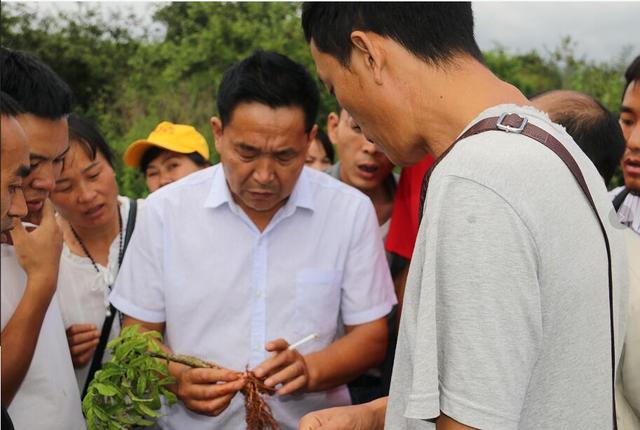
(317, 305)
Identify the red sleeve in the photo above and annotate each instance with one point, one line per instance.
(406, 207)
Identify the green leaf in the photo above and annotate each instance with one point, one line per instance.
(141, 386)
(105, 390)
(146, 410)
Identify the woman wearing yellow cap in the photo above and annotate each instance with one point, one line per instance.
(172, 151)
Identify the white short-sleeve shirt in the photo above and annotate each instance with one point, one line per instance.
(84, 293)
(225, 289)
(48, 398)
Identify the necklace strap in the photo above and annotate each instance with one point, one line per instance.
(88, 254)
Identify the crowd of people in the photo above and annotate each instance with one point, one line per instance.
(492, 282)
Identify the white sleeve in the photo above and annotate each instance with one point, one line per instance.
(367, 288)
(139, 287)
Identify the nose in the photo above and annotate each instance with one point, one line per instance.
(165, 179)
(633, 142)
(85, 193)
(263, 172)
(45, 180)
(369, 147)
(18, 206)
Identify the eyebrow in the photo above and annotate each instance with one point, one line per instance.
(626, 109)
(246, 146)
(90, 166)
(45, 158)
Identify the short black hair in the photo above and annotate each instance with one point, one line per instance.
(432, 31)
(153, 152)
(86, 133)
(632, 74)
(327, 145)
(8, 106)
(594, 128)
(272, 79)
(33, 84)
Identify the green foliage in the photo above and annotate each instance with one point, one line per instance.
(127, 390)
(128, 82)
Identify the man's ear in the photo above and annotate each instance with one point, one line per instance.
(216, 128)
(312, 134)
(332, 127)
(368, 50)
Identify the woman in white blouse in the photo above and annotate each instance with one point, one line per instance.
(95, 221)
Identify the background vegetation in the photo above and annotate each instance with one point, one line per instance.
(128, 79)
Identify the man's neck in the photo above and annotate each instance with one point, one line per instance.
(467, 89)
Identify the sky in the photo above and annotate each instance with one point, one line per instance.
(600, 30)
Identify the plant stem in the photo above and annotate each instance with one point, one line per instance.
(187, 360)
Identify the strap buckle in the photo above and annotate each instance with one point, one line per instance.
(509, 128)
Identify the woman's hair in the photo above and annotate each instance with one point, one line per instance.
(86, 133)
(326, 144)
(153, 152)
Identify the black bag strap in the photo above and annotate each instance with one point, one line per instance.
(514, 123)
(96, 362)
(617, 201)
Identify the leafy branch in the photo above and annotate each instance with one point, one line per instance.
(127, 390)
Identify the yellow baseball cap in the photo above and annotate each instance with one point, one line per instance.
(180, 138)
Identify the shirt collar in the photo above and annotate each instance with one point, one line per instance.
(219, 193)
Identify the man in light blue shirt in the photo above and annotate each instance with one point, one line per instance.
(236, 262)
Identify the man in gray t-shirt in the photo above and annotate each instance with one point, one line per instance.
(506, 321)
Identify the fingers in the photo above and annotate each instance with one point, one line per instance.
(310, 422)
(80, 328)
(293, 386)
(341, 418)
(83, 359)
(209, 392)
(211, 407)
(48, 213)
(275, 363)
(78, 334)
(208, 398)
(277, 345)
(209, 376)
(18, 232)
(83, 340)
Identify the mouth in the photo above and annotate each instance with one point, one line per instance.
(368, 170)
(35, 205)
(631, 166)
(260, 195)
(94, 212)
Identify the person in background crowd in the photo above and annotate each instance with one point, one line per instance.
(292, 251)
(598, 134)
(589, 123)
(321, 154)
(38, 382)
(365, 168)
(170, 152)
(508, 281)
(96, 224)
(14, 167)
(626, 199)
(362, 166)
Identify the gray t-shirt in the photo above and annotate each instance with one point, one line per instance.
(505, 320)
